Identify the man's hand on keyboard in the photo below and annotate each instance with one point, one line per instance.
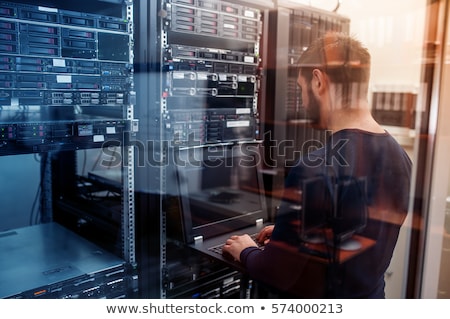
(236, 244)
(263, 236)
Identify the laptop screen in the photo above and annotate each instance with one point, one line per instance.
(350, 216)
(220, 189)
(317, 206)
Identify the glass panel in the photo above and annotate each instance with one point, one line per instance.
(436, 274)
(199, 76)
(444, 273)
(198, 72)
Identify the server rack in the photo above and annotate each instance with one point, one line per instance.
(66, 110)
(199, 70)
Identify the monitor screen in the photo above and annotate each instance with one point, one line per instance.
(220, 189)
(350, 214)
(316, 208)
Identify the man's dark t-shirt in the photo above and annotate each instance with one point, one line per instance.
(348, 154)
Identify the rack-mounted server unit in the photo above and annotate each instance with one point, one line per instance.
(211, 72)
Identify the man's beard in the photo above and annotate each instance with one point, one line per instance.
(313, 109)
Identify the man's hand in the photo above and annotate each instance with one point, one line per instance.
(264, 235)
(236, 244)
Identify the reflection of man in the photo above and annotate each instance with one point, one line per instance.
(334, 79)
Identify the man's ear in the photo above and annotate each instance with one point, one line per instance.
(319, 81)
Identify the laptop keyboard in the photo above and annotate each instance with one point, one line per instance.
(218, 248)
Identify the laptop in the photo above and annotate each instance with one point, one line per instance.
(221, 194)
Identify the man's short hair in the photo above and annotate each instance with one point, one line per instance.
(343, 58)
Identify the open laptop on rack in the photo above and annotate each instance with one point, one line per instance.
(222, 194)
